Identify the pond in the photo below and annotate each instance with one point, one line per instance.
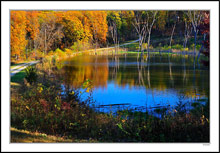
(123, 81)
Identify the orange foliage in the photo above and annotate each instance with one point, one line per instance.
(63, 28)
(32, 24)
(73, 28)
(99, 24)
(18, 32)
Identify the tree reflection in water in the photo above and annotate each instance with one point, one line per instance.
(165, 78)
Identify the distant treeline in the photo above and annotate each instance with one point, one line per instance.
(39, 32)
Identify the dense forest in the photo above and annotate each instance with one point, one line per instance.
(37, 33)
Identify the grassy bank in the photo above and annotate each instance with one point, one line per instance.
(18, 77)
(24, 136)
(40, 106)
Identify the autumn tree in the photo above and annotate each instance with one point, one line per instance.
(151, 18)
(174, 20)
(50, 31)
(143, 23)
(87, 27)
(99, 27)
(140, 25)
(114, 21)
(162, 20)
(32, 28)
(187, 30)
(72, 27)
(127, 31)
(205, 29)
(18, 33)
(195, 18)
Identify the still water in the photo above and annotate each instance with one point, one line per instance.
(123, 81)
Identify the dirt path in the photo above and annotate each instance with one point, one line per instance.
(18, 68)
(109, 47)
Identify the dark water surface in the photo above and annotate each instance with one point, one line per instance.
(123, 81)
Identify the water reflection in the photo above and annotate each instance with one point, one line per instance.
(124, 79)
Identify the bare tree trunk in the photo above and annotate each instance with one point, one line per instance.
(148, 73)
(148, 44)
(201, 47)
(16, 57)
(171, 37)
(149, 28)
(140, 43)
(115, 45)
(35, 49)
(170, 69)
(26, 50)
(184, 70)
(195, 34)
(45, 45)
(26, 53)
(195, 17)
(118, 46)
(95, 47)
(185, 43)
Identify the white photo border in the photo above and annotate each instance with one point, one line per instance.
(129, 5)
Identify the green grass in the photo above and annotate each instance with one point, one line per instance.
(24, 136)
(133, 45)
(18, 78)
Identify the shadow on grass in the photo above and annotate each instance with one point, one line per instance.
(18, 78)
(21, 136)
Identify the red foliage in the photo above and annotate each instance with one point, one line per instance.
(205, 29)
(65, 106)
(44, 104)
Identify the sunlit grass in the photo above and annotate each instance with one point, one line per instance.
(18, 77)
(15, 84)
(24, 136)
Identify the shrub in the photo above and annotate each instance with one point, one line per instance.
(80, 46)
(177, 46)
(166, 47)
(59, 52)
(68, 52)
(77, 46)
(144, 45)
(31, 74)
(50, 53)
(197, 47)
(40, 54)
(186, 49)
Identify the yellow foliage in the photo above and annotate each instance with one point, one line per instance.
(18, 32)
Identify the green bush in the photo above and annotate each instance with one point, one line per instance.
(177, 46)
(144, 45)
(68, 51)
(77, 46)
(31, 74)
(186, 49)
(197, 47)
(80, 46)
(166, 47)
(59, 52)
